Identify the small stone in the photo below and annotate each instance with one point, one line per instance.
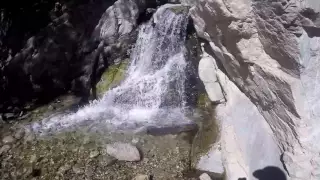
(8, 115)
(86, 140)
(89, 171)
(8, 140)
(94, 154)
(77, 169)
(27, 170)
(64, 168)
(204, 176)
(1, 119)
(135, 140)
(50, 108)
(19, 133)
(141, 177)
(123, 152)
(4, 149)
(25, 116)
(33, 158)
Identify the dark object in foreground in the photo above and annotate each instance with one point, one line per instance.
(269, 173)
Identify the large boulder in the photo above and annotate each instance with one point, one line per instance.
(269, 51)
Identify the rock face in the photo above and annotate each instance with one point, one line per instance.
(62, 52)
(45, 56)
(267, 54)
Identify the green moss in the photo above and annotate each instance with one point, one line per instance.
(208, 129)
(179, 9)
(203, 101)
(112, 77)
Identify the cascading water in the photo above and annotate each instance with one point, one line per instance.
(152, 93)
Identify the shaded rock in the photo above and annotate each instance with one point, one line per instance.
(123, 151)
(8, 116)
(8, 140)
(1, 119)
(55, 56)
(107, 160)
(204, 176)
(141, 177)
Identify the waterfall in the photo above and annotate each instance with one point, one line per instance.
(152, 94)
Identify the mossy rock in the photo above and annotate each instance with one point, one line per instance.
(203, 101)
(112, 77)
(208, 129)
(179, 9)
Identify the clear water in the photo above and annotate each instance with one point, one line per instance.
(153, 92)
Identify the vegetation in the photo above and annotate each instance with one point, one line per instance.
(112, 77)
(179, 9)
(208, 128)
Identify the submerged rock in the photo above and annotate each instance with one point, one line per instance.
(123, 151)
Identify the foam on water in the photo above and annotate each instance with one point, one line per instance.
(153, 93)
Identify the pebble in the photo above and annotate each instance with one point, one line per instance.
(77, 169)
(19, 133)
(8, 115)
(123, 151)
(135, 141)
(64, 168)
(204, 176)
(89, 171)
(33, 158)
(4, 149)
(1, 119)
(141, 177)
(8, 140)
(94, 154)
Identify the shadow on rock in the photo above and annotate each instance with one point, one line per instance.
(269, 173)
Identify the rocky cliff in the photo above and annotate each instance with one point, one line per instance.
(263, 64)
(50, 48)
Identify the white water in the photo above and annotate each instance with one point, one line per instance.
(152, 93)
